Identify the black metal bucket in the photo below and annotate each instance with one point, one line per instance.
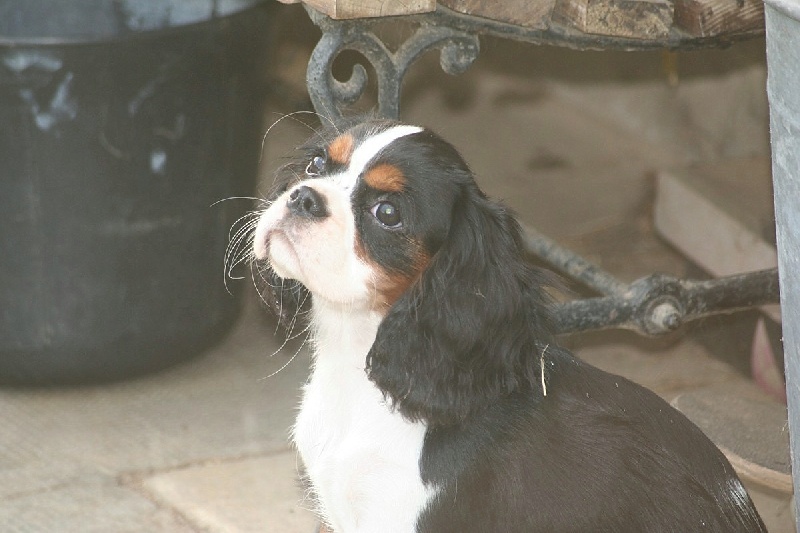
(120, 125)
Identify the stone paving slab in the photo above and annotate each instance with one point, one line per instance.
(91, 504)
(249, 495)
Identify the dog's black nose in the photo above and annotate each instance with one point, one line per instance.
(306, 202)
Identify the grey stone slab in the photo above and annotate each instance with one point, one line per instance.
(720, 215)
(249, 495)
(94, 504)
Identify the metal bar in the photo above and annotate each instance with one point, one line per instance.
(589, 314)
(570, 263)
(658, 304)
(783, 67)
(731, 293)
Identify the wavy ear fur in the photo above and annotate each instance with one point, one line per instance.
(469, 330)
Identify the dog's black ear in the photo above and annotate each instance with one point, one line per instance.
(469, 330)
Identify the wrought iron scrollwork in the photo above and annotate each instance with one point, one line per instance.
(458, 50)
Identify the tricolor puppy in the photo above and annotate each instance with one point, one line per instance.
(438, 401)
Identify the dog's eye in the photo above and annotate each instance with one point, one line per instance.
(316, 166)
(387, 214)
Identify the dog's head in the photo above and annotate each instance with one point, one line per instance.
(387, 218)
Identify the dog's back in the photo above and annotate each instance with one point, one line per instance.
(597, 453)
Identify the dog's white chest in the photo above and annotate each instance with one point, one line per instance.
(362, 459)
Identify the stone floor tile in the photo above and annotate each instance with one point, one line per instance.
(88, 505)
(250, 495)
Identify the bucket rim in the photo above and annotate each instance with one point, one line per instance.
(54, 22)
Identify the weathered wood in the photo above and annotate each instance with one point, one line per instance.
(706, 18)
(636, 19)
(351, 9)
(719, 214)
(532, 14)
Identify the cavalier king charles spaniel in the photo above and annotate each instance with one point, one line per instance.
(438, 400)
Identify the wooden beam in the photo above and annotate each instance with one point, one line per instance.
(636, 19)
(351, 9)
(719, 214)
(706, 18)
(531, 14)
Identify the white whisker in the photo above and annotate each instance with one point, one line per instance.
(252, 198)
(240, 245)
(292, 116)
(292, 358)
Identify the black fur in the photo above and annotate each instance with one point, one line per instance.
(463, 349)
(475, 298)
(597, 454)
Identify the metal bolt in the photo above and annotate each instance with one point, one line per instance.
(665, 317)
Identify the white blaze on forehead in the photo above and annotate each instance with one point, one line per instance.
(367, 150)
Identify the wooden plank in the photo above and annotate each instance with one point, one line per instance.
(636, 19)
(705, 18)
(720, 215)
(531, 14)
(351, 9)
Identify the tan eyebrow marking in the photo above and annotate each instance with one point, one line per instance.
(341, 148)
(385, 177)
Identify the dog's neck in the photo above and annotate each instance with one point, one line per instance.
(342, 334)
